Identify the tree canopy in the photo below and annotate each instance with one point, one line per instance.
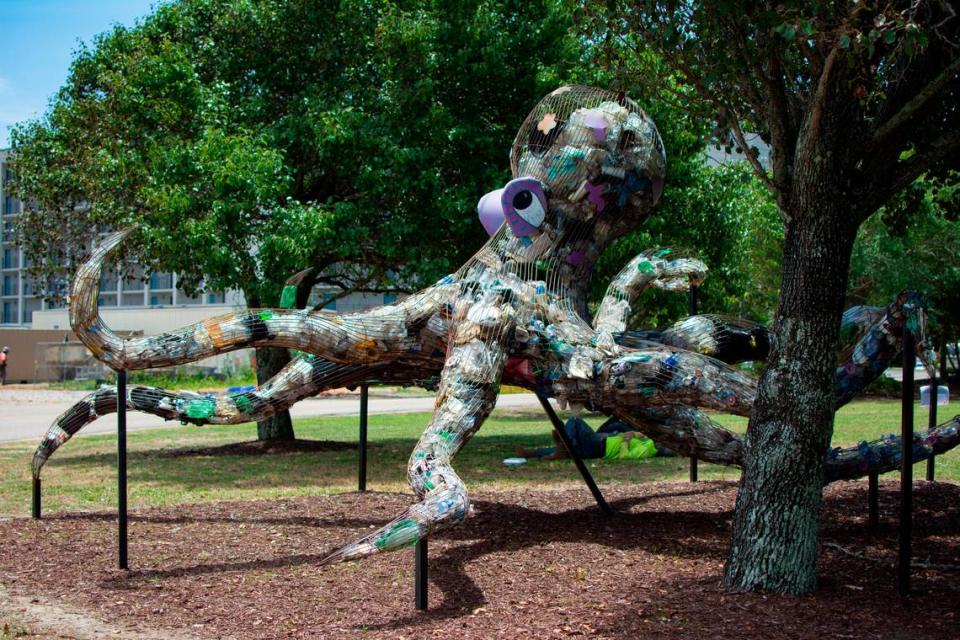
(253, 139)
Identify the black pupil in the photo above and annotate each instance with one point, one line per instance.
(522, 200)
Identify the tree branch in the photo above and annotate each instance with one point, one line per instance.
(883, 188)
(780, 124)
(820, 96)
(917, 102)
(757, 167)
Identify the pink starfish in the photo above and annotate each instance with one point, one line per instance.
(547, 124)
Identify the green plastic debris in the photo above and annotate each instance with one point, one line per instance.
(404, 533)
(646, 267)
(202, 408)
(243, 403)
(266, 314)
(288, 298)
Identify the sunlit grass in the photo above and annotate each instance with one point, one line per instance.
(82, 475)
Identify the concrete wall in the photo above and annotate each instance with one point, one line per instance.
(149, 321)
(29, 363)
(22, 359)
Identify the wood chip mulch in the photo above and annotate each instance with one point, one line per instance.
(530, 564)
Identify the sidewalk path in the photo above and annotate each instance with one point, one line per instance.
(27, 413)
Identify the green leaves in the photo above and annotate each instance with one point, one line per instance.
(253, 140)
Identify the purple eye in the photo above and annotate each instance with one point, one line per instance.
(524, 206)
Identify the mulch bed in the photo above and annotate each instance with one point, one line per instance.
(531, 564)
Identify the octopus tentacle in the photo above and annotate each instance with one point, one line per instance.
(662, 376)
(304, 376)
(658, 268)
(468, 392)
(373, 336)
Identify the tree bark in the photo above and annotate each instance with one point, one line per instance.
(278, 426)
(775, 528)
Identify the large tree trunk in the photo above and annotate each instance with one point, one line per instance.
(278, 426)
(270, 361)
(775, 528)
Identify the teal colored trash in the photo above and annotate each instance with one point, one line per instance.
(943, 395)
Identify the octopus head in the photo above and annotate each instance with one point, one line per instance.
(586, 163)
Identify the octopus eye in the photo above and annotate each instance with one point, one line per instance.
(529, 207)
(524, 204)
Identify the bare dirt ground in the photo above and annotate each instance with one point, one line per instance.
(531, 564)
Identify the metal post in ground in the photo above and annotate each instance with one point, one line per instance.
(35, 507)
(122, 469)
(693, 311)
(906, 464)
(932, 423)
(577, 460)
(420, 575)
(364, 400)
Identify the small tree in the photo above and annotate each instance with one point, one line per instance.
(857, 100)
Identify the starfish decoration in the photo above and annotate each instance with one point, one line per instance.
(595, 195)
(547, 123)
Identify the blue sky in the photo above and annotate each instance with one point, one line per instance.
(37, 39)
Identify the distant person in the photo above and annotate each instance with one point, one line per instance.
(3, 365)
(614, 440)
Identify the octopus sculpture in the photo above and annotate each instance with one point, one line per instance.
(588, 167)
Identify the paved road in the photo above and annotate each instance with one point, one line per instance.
(27, 413)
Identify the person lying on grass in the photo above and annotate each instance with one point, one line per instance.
(614, 440)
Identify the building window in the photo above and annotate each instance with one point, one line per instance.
(183, 298)
(11, 205)
(161, 299)
(9, 312)
(132, 299)
(11, 285)
(11, 259)
(161, 281)
(29, 306)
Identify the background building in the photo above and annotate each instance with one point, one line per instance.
(39, 332)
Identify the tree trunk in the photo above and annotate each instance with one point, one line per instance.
(278, 426)
(775, 527)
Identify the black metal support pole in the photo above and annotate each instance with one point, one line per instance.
(873, 500)
(693, 311)
(931, 423)
(122, 469)
(35, 507)
(364, 400)
(577, 460)
(420, 575)
(906, 465)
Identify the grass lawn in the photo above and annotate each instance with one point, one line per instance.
(81, 475)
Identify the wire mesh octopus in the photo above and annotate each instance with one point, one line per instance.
(589, 166)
